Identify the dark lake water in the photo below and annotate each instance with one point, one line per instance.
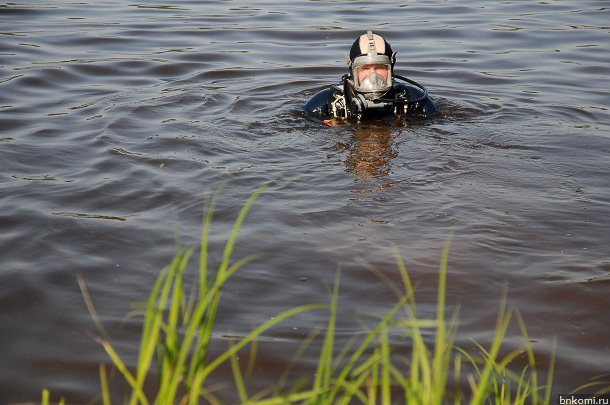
(118, 119)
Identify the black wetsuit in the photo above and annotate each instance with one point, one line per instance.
(406, 97)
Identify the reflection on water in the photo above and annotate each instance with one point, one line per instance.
(117, 120)
(370, 151)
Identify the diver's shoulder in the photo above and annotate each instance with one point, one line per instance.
(412, 91)
(319, 102)
(417, 93)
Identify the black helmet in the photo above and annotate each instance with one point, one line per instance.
(371, 61)
(360, 46)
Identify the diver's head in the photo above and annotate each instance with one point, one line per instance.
(371, 62)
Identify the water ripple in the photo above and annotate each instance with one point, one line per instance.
(118, 120)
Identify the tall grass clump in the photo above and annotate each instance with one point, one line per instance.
(178, 327)
(174, 360)
(371, 371)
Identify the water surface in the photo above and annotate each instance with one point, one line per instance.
(118, 119)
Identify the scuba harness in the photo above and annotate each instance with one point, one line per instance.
(348, 103)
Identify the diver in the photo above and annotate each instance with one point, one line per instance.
(371, 89)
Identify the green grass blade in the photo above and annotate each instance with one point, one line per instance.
(203, 253)
(252, 358)
(239, 381)
(287, 399)
(118, 363)
(204, 317)
(345, 371)
(530, 357)
(549, 381)
(421, 373)
(373, 381)
(399, 378)
(211, 297)
(154, 321)
(352, 389)
(501, 326)
(367, 364)
(203, 372)
(440, 345)
(238, 222)
(386, 397)
(104, 386)
(170, 383)
(406, 280)
(89, 304)
(45, 397)
(170, 341)
(324, 370)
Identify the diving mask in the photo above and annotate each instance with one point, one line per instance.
(372, 77)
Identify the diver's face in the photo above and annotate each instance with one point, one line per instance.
(365, 70)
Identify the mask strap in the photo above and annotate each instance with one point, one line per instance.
(372, 50)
